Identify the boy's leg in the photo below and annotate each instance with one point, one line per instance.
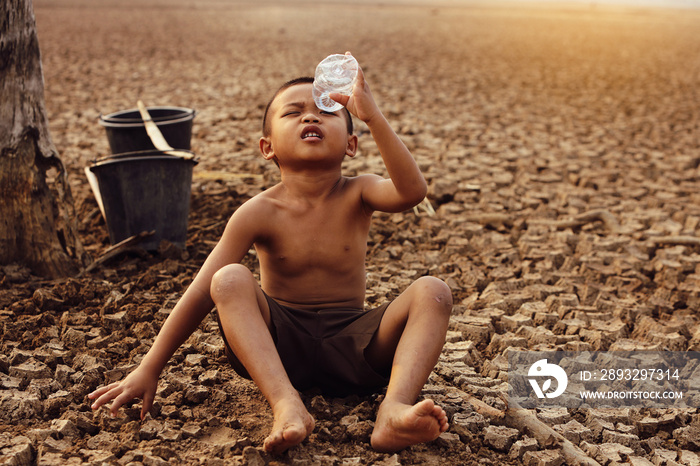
(409, 340)
(245, 319)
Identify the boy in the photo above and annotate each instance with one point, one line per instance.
(304, 325)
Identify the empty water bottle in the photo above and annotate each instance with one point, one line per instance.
(336, 73)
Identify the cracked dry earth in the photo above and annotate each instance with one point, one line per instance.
(562, 149)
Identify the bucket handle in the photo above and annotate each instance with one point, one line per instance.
(157, 137)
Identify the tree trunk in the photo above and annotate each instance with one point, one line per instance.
(37, 215)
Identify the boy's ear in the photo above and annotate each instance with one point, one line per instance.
(351, 148)
(266, 148)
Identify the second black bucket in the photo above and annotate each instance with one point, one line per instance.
(145, 191)
(126, 131)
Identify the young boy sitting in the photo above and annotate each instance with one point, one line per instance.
(305, 325)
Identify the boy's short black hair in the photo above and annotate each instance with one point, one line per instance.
(287, 85)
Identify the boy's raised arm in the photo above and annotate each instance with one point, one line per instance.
(406, 186)
(185, 317)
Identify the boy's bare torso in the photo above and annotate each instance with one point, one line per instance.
(312, 253)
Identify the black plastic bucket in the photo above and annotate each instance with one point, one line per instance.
(145, 191)
(126, 131)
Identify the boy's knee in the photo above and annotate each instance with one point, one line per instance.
(437, 290)
(228, 279)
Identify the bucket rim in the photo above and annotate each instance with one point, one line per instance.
(153, 154)
(113, 120)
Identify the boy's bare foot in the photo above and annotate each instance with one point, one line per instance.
(292, 425)
(400, 425)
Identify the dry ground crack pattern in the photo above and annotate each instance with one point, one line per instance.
(562, 149)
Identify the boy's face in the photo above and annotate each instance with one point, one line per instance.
(301, 132)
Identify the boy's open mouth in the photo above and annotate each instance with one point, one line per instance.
(311, 132)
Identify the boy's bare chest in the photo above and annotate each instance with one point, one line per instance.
(332, 238)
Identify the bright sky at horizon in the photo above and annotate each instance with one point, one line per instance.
(657, 3)
(629, 3)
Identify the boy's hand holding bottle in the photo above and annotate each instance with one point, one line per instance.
(339, 81)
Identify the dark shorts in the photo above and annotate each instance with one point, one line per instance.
(324, 349)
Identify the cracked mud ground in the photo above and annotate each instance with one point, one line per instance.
(561, 146)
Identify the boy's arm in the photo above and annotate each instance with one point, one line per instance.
(406, 185)
(185, 317)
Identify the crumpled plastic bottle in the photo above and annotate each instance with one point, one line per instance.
(336, 73)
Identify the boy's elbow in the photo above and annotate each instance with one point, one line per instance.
(421, 191)
(417, 194)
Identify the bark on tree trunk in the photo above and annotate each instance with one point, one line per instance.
(37, 216)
